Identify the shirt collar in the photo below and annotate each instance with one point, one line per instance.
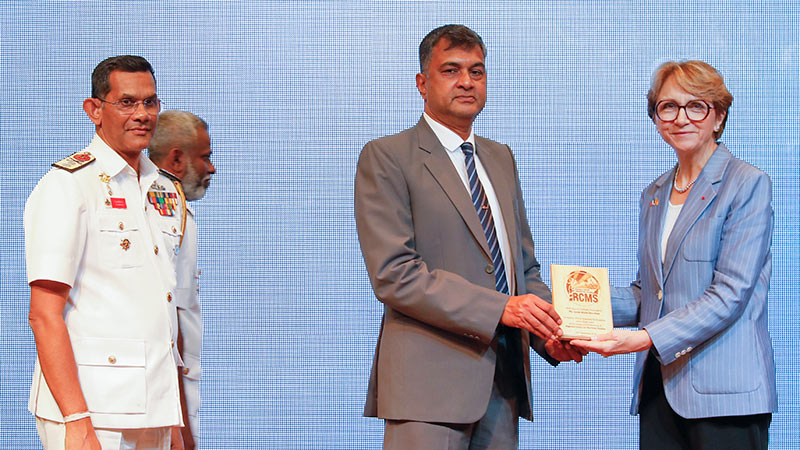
(447, 137)
(169, 175)
(113, 164)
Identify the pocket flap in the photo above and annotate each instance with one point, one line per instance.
(171, 229)
(109, 352)
(118, 221)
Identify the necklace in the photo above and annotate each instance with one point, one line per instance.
(675, 182)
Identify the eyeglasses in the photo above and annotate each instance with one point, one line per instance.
(129, 106)
(696, 110)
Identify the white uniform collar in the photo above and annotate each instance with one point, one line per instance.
(112, 163)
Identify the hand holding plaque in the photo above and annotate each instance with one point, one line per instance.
(582, 297)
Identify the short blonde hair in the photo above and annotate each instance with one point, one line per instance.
(697, 78)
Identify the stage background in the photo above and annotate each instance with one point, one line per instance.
(293, 90)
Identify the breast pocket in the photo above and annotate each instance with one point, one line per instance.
(121, 244)
(702, 242)
(171, 236)
(112, 374)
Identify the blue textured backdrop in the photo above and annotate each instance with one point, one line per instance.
(292, 91)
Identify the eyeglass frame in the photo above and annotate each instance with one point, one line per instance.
(135, 105)
(685, 112)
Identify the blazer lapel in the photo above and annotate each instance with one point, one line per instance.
(653, 219)
(440, 166)
(699, 198)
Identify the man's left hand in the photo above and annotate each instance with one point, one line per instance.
(563, 351)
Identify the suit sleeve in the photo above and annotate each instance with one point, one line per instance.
(399, 276)
(532, 269)
(743, 248)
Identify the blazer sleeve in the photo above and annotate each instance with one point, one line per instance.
(743, 246)
(625, 304)
(399, 276)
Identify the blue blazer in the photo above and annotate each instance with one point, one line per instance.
(705, 307)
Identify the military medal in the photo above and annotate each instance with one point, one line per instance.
(164, 202)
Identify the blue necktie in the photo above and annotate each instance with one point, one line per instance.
(487, 221)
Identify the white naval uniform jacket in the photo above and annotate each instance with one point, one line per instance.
(96, 230)
(190, 321)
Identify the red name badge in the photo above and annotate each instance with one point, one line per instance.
(117, 202)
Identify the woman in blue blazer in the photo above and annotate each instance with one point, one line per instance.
(704, 376)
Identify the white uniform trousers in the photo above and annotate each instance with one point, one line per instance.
(53, 435)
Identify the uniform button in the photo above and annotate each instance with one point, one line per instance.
(677, 355)
(121, 226)
(112, 359)
(186, 371)
(174, 230)
(169, 296)
(660, 294)
(155, 249)
(172, 343)
(125, 244)
(489, 269)
(689, 349)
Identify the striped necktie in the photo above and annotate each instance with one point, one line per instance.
(509, 365)
(487, 221)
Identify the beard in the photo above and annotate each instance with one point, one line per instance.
(194, 187)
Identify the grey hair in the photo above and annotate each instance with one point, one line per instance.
(174, 129)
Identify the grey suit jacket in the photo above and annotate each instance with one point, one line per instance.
(705, 308)
(429, 263)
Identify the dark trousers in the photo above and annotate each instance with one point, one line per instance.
(660, 428)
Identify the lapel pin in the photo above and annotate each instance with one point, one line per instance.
(654, 202)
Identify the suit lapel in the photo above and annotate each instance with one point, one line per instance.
(440, 166)
(699, 198)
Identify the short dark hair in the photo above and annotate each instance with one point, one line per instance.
(457, 35)
(126, 63)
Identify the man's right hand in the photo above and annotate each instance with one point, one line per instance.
(80, 435)
(531, 313)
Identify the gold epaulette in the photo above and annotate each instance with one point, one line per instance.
(75, 161)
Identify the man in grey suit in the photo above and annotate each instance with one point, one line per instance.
(448, 249)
